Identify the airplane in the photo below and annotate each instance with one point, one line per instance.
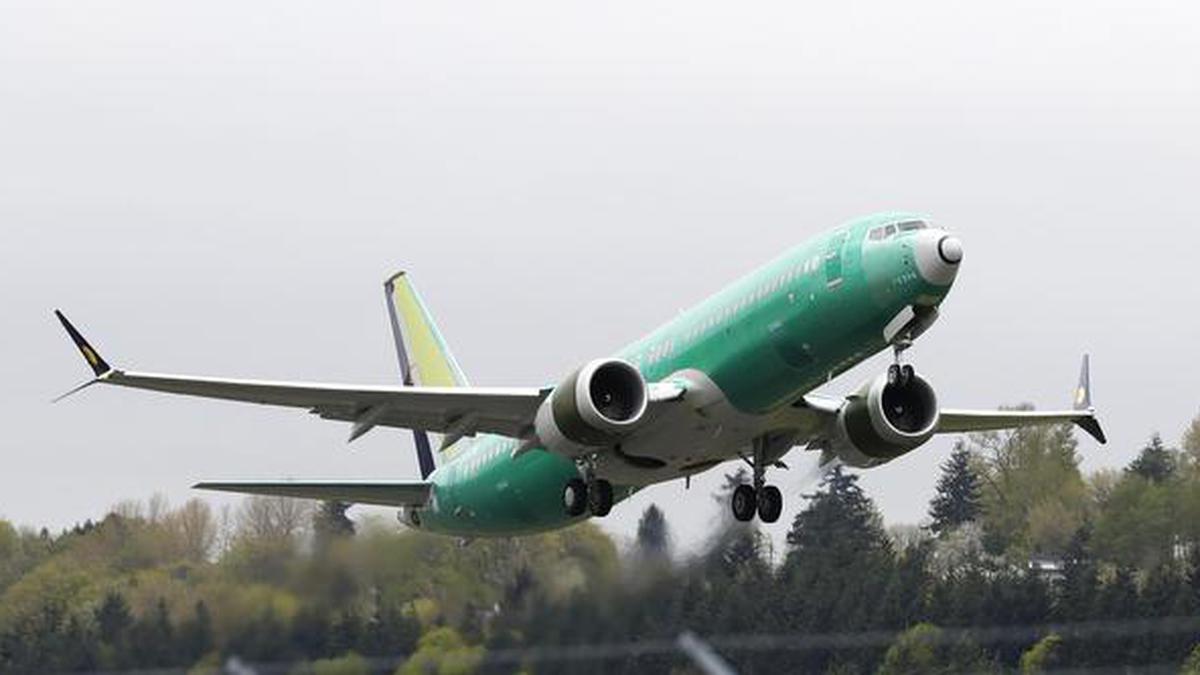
(732, 378)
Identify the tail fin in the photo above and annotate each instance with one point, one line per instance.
(425, 358)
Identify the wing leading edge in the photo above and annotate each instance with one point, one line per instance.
(1083, 414)
(508, 411)
(377, 494)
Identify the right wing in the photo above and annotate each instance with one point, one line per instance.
(378, 494)
(452, 410)
(1082, 414)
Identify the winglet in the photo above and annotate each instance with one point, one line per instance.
(98, 365)
(1083, 403)
(1083, 392)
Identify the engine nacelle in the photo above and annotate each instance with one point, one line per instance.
(595, 406)
(886, 420)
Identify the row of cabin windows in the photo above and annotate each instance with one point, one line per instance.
(887, 231)
(665, 349)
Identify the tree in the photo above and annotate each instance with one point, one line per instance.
(653, 537)
(837, 569)
(925, 648)
(113, 618)
(1191, 440)
(1079, 584)
(1155, 463)
(197, 529)
(330, 523)
(1042, 656)
(442, 651)
(1031, 477)
(271, 518)
(957, 498)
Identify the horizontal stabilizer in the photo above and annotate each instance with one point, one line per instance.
(411, 493)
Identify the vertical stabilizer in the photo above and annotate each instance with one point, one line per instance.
(425, 358)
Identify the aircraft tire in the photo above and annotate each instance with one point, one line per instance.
(575, 497)
(770, 504)
(743, 503)
(600, 498)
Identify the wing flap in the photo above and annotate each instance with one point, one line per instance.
(377, 494)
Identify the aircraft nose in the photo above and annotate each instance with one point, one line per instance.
(938, 255)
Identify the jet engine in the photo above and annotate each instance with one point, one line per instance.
(595, 406)
(888, 417)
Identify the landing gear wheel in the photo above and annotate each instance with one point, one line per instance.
(894, 373)
(906, 374)
(743, 503)
(770, 504)
(575, 497)
(600, 498)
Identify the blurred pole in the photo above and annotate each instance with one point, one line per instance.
(699, 651)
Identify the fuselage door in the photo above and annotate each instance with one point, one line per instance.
(833, 260)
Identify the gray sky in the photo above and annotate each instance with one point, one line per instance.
(220, 188)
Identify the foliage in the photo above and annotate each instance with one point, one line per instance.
(309, 590)
(1042, 656)
(957, 499)
(1034, 495)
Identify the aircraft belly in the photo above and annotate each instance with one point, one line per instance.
(695, 435)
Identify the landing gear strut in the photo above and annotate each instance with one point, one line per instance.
(900, 373)
(764, 499)
(588, 493)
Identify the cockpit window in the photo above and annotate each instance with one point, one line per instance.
(911, 225)
(889, 231)
(875, 234)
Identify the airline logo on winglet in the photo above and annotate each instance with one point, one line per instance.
(98, 365)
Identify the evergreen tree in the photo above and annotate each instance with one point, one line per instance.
(196, 634)
(330, 523)
(653, 537)
(837, 567)
(113, 618)
(957, 500)
(1079, 584)
(1156, 463)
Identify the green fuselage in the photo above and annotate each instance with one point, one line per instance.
(765, 341)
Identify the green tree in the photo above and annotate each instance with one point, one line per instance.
(957, 499)
(1155, 463)
(1034, 496)
(1042, 656)
(838, 565)
(442, 651)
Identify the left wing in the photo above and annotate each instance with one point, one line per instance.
(454, 410)
(412, 493)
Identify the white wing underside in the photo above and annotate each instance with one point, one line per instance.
(508, 411)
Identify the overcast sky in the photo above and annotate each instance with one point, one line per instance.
(221, 187)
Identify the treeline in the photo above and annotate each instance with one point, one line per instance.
(1023, 564)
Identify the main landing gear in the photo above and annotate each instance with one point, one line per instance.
(589, 493)
(766, 500)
